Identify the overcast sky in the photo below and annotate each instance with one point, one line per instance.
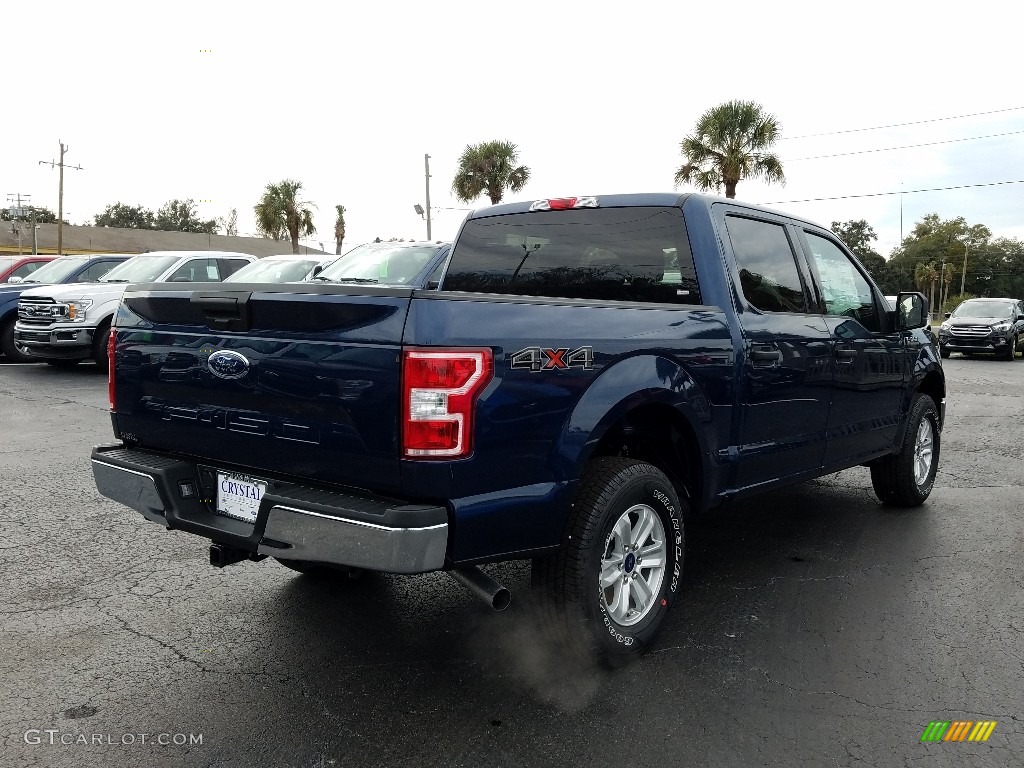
(348, 97)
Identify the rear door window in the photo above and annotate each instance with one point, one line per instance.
(609, 254)
(769, 277)
(230, 266)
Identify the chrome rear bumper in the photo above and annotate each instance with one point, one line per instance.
(293, 523)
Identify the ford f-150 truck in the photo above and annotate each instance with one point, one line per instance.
(85, 268)
(63, 325)
(589, 373)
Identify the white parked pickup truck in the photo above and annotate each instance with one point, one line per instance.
(65, 324)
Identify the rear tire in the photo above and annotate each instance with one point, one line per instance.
(906, 478)
(7, 344)
(945, 353)
(606, 594)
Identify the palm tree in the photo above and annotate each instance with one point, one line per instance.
(489, 168)
(925, 277)
(728, 144)
(280, 212)
(339, 227)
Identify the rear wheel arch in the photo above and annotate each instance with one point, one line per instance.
(659, 434)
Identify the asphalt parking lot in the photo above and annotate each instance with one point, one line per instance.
(816, 627)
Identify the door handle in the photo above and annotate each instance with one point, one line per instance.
(846, 353)
(765, 354)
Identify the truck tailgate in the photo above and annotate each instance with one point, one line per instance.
(302, 385)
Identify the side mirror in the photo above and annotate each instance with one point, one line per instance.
(948, 315)
(911, 311)
(317, 270)
(14, 279)
(433, 285)
(182, 279)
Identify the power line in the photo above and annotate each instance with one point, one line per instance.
(900, 125)
(901, 192)
(905, 146)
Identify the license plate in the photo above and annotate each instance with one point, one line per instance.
(239, 496)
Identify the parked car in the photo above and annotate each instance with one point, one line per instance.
(588, 373)
(14, 269)
(408, 264)
(279, 269)
(63, 270)
(992, 326)
(63, 325)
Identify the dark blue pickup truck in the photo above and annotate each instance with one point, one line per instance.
(589, 372)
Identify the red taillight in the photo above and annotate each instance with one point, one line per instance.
(439, 392)
(111, 347)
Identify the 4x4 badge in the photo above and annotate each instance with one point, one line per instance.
(553, 359)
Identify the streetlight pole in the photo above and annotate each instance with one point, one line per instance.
(426, 167)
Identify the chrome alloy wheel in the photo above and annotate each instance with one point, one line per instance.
(923, 449)
(633, 564)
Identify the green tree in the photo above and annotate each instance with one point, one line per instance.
(489, 169)
(125, 217)
(925, 278)
(944, 244)
(339, 228)
(181, 216)
(229, 223)
(280, 213)
(730, 143)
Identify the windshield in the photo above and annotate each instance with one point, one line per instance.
(273, 271)
(998, 309)
(139, 269)
(390, 263)
(56, 270)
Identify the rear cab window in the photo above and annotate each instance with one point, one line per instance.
(637, 254)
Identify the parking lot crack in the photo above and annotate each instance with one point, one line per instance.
(162, 643)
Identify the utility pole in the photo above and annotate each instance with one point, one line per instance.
(426, 166)
(16, 213)
(60, 193)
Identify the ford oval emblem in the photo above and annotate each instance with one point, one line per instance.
(227, 364)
